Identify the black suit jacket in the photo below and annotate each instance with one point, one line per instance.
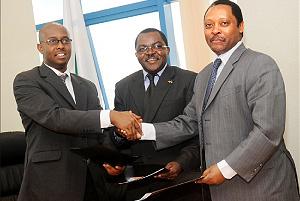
(172, 93)
(53, 124)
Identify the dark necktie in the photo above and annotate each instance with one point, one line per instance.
(63, 77)
(211, 81)
(151, 85)
(146, 148)
(149, 96)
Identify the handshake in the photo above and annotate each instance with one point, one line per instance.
(128, 124)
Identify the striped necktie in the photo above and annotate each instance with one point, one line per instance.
(211, 80)
(63, 77)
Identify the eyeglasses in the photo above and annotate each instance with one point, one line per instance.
(55, 41)
(155, 47)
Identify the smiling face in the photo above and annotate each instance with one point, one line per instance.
(153, 59)
(221, 30)
(54, 55)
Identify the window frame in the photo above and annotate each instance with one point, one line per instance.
(131, 10)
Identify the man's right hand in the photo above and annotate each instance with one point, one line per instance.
(128, 123)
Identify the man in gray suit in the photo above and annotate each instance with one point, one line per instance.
(60, 110)
(238, 108)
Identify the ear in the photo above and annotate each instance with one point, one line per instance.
(40, 48)
(168, 50)
(241, 27)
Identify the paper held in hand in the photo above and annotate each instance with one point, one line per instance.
(133, 179)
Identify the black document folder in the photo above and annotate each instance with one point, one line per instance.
(102, 154)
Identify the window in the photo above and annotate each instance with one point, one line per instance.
(114, 26)
(89, 6)
(47, 10)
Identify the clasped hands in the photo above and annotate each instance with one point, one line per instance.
(128, 124)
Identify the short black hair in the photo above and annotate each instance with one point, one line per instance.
(148, 30)
(235, 9)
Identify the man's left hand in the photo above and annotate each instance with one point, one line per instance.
(211, 176)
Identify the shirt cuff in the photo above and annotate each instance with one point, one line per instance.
(148, 132)
(105, 119)
(226, 170)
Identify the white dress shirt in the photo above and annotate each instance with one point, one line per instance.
(68, 81)
(104, 114)
(156, 78)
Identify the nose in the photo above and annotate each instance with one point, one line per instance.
(60, 44)
(216, 29)
(149, 50)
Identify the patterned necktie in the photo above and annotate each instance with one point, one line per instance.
(211, 80)
(63, 77)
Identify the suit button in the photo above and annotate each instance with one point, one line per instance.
(86, 161)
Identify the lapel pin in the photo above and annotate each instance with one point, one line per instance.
(170, 81)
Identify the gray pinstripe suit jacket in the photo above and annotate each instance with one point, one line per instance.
(243, 123)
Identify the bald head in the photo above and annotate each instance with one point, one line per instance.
(50, 26)
(53, 46)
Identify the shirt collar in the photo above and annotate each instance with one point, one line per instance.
(145, 73)
(57, 72)
(225, 57)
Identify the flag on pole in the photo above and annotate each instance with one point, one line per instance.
(82, 61)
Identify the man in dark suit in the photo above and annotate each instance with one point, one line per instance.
(239, 108)
(172, 91)
(60, 110)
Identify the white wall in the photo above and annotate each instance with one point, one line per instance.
(272, 27)
(18, 39)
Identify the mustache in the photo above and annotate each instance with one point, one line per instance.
(214, 38)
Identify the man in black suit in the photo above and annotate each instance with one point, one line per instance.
(171, 91)
(60, 110)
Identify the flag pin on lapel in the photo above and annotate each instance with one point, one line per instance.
(170, 81)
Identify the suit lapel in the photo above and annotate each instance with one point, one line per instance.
(137, 91)
(225, 72)
(55, 81)
(203, 82)
(80, 93)
(165, 82)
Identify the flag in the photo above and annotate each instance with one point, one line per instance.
(83, 61)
